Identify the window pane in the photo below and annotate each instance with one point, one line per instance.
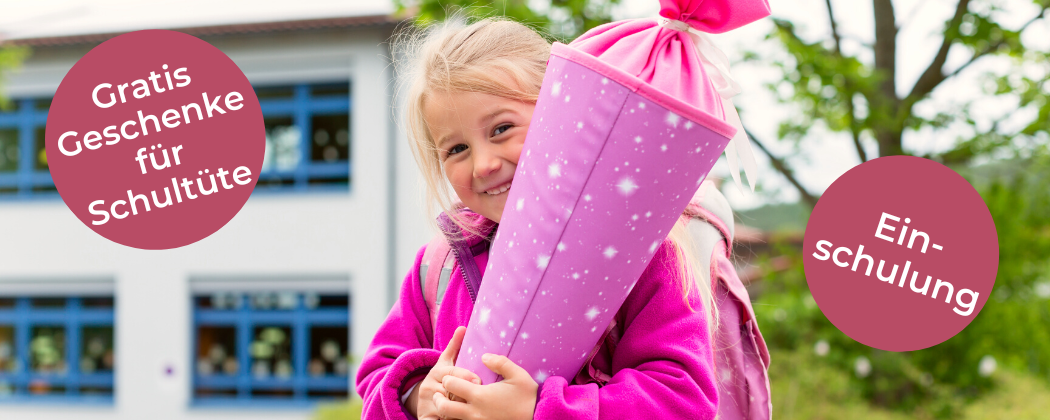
(282, 144)
(331, 138)
(313, 301)
(43, 386)
(8, 149)
(271, 352)
(7, 303)
(217, 351)
(273, 300)
(213, 393)
(42, 104)
(95, 390)
(97, 302)
(96, 351)
(274, 92)
(48, 302)
(7, 350)
(272, 393)
(328, 351)
(328, 89)
(47, 350)
(40, 152)
(328, 394)
(220, 301)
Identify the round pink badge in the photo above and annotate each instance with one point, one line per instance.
(900, 253)
(155, 139)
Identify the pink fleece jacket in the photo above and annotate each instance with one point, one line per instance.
(661, 367)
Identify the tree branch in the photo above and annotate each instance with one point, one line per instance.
(781, 166)
(834, 29)
(851, 112)
(855, 131)
(934, 75)
(886, 47)
(993, 47)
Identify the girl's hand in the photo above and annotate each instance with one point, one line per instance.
(513, 398)
(421, 401)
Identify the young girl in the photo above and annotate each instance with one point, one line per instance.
(469, 104)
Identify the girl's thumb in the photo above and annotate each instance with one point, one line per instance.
(502, 366)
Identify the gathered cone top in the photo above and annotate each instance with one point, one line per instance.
(672, 55)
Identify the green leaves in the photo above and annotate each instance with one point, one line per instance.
(839, 89)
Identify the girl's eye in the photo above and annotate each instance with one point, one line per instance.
(456, 149)
(501, 129)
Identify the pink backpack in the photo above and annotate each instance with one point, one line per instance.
(741, 356)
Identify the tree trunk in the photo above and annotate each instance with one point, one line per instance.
(890, 143)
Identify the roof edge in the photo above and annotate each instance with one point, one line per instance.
(217, 30)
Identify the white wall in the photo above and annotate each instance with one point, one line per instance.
(277, 236)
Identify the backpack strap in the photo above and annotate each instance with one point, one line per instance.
(434, 274)
(441, 256)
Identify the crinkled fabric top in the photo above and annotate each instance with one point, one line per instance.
(666, 58)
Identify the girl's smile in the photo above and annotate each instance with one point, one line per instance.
(500, 190)
(479, 138)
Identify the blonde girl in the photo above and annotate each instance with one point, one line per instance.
(470, 92)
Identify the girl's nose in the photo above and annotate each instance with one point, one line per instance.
(486, 163)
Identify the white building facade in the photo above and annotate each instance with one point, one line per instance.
(267, 317)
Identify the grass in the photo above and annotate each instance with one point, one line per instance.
(806, 387)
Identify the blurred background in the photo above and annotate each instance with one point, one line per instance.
(268, 317)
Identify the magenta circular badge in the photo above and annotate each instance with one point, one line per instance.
(155, 139)
(900, 253)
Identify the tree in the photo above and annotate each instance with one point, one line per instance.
(843, 92)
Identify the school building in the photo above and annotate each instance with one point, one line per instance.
(267, 317)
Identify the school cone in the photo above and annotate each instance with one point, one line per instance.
(630, 120)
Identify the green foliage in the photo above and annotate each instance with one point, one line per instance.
(805, 386)
(943, 380)
(564, 20)
(349, 410)
(843, 90)
(822, 84)
(10, 58)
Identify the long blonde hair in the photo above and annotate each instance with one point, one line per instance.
(453, 56)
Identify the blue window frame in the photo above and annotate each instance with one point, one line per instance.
(270, 348)
(23, 164)
(307, 141)
(299, 161)
(56, 349)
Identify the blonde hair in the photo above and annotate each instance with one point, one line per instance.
(453, 56)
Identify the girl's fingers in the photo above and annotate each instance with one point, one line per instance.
(504, 367)
(460, 388)
(447, 409)
(463, 374)
(448, 356)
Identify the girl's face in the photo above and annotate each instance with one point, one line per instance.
(479, 139)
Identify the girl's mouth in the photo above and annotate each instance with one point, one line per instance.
(500, 189)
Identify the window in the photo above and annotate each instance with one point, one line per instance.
(264, 347)
(307, 141)
(56, 348)
(23, 163)
(320, 159)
